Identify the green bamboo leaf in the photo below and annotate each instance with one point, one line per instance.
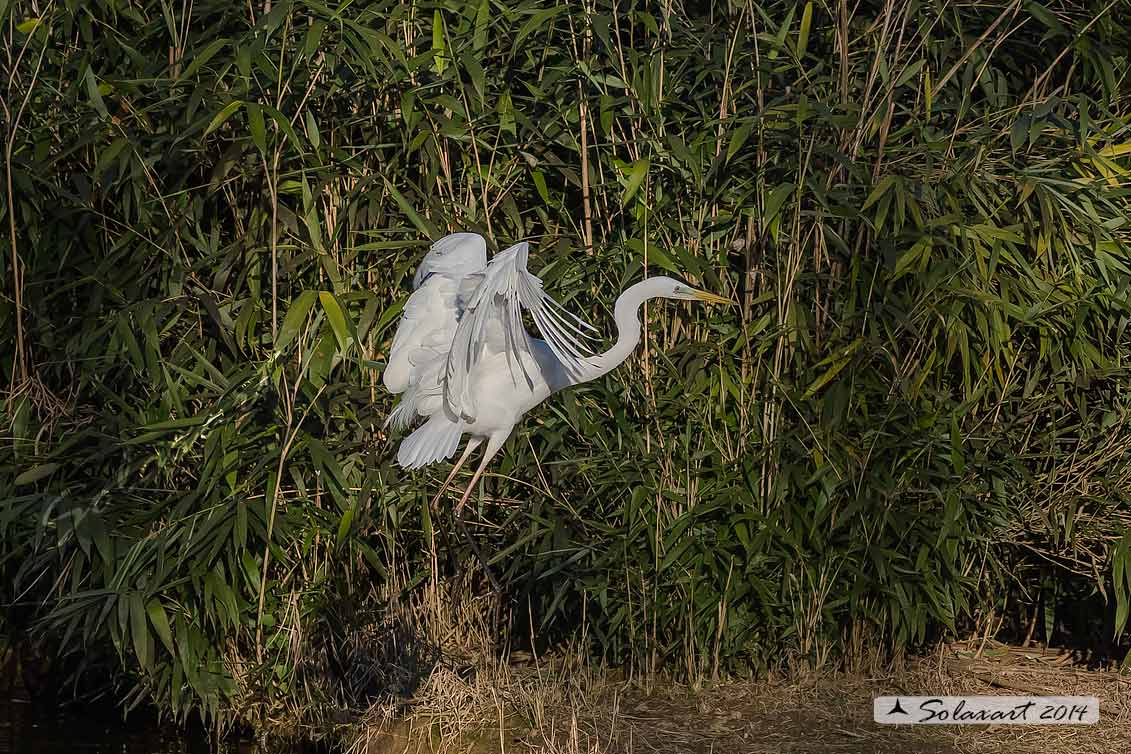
(1019, 133)
(294, 320)
(93, 92)
(655, 255)
(96, 530)
(540, 184)
(284, 125)
(636, 177)
(880, 189)
(160, 623)
(273, 20)
(482, 17)
(314, 229)
(1042, 14)
(345, 523)
(1127, 588)
(314, 35)
(774, 202)
(909, 258)
(219, 118)
(239, 531)
(957, 458)
(421, 224)
(343, 329)
(202, 57)
(928, 93)
(35, 473)
(535, 22)
(909, 73)
(738, 138)
(827, 377)
(320, 359)
(139, 629)
(439, 51)
(312, 130)
(387, 317)
(779, 37)
(250, 569)
(803, 32)
(476, 73)
(505, 109)
(224, 596)
(256, 126)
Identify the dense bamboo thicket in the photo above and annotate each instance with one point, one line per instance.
(915, 425)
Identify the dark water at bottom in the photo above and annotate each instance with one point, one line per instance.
(27, 729)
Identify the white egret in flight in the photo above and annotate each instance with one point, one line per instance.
(462, 359)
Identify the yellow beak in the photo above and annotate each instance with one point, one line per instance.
(711, 298)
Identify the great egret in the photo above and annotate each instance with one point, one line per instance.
(462, 359)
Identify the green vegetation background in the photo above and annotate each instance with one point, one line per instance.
(915, 425)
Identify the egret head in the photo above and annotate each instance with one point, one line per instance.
(670, 288)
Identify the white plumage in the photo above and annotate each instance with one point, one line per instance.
(462, 359)
(418, 358)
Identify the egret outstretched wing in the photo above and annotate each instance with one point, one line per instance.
(492, 323)
(424, 336)
(456, 256)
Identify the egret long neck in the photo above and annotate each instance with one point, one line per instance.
(626, 314)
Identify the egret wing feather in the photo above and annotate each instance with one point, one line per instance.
(492, 323)
(416, 368)
(456, 255)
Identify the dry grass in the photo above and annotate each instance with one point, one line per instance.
(563, 706)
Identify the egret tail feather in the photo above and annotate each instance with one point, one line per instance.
(400, 417)
(435, 440)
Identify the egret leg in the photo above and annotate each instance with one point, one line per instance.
(472, 444)
(493, 445)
